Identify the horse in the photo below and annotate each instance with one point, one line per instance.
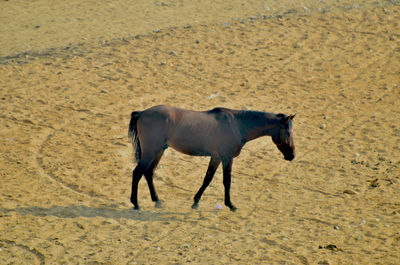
(219, 133)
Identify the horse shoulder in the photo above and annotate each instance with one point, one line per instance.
(229, 125)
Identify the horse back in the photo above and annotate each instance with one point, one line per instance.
(211, 132)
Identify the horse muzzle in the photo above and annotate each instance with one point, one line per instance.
(289, 157)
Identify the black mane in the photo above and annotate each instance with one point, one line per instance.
(251, 115)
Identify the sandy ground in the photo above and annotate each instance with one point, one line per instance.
(69, 80)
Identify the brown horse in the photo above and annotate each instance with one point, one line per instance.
(219, 133)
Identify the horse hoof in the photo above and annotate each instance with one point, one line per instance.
(158, 204)
(136, 208)
(233, 208)
(195, 206)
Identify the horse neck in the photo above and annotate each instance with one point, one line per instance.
(256, 124)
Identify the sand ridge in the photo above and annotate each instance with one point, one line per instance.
(66, 162)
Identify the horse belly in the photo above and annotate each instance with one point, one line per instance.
(191, 144)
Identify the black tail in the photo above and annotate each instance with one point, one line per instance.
(133, 134)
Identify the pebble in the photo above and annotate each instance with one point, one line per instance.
(161, 4)
(351, 192)
(336, 227)
(356, 157)
(322, 126)
(105, 91)
(218, 207)
(213, 96)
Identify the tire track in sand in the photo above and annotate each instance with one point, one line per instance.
(33, 251)
(49, 134)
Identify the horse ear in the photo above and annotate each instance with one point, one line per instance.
(286, 119)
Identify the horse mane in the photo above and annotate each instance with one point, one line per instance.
(251, 115)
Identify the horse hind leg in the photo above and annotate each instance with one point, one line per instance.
(212, 167)
(136, 176)
(149, 178)
(152, 143)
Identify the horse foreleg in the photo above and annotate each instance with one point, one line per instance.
(136, 176)
(227, 169)
(212, 167)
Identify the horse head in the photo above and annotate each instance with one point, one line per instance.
(283, 137)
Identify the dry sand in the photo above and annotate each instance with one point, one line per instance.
(72, 72)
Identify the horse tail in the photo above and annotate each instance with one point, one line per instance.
(133, 135)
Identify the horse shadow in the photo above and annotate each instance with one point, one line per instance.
(76, 211)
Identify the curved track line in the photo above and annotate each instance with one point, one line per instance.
(64, 184)
(36, 253)
(40, 163)
(302, 259)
